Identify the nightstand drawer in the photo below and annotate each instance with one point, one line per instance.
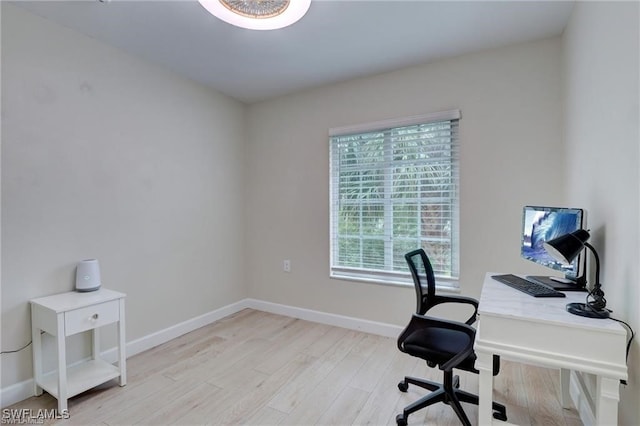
(91, 317)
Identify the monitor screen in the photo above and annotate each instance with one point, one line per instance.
(540, 224)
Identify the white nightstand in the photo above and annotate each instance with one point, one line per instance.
(63, 315)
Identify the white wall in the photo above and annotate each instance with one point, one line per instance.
(511, 155)
(601, 108)
(107, 156)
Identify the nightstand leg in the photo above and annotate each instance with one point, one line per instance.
(95, 343)
(36, 338)
(62, 366)
(122, 350)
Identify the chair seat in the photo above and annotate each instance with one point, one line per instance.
(439, 345)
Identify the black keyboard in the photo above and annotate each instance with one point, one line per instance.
(526, 286)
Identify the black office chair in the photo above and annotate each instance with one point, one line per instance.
(443, 343)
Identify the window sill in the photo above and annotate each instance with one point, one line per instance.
(445, 285)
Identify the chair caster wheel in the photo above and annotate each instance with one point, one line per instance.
(456, 381)
(400, 420)
(500, 416)
(403, 387)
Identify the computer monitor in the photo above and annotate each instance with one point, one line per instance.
(540, 224)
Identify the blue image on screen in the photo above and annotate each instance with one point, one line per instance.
(544, 224)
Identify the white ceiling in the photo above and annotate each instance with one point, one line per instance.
(336, 40)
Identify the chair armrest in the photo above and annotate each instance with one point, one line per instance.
(464, 354)
(437, 300)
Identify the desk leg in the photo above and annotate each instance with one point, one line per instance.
(608, 394)
(62, 366)
(565, 394)
(36, 338)
(484, 364)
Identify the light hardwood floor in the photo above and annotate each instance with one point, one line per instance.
(257, 368)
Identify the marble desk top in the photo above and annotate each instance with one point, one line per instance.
(500, 300)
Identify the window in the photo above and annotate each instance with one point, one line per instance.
(394, 188)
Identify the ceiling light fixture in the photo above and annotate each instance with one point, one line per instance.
(258, 14)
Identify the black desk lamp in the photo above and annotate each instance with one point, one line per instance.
(566, 248)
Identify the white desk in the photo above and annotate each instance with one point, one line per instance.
(66, 314)
(540, 331)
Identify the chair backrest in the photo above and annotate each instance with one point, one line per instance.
(423, 279)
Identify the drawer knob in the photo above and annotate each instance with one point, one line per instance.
(94, 317)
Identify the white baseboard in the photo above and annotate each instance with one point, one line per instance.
(16, 393)
(23, 390)
(373, 327)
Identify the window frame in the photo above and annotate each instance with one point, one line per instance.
(389, 277)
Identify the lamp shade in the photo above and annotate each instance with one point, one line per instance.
(567, 247)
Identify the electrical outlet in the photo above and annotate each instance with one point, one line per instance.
(286, 265)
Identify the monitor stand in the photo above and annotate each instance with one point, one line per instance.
(560, 284)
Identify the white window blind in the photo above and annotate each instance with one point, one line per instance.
(394, 188)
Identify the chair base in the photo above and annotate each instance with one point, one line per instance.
(449, 393)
